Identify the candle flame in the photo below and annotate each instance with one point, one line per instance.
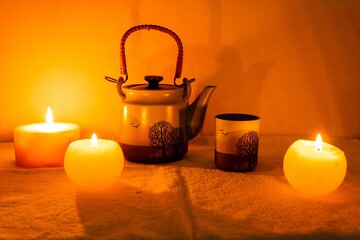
(49, 116)
(318, 143)
(94, 141)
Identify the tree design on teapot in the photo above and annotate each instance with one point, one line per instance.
(247, 146)
(163, 135)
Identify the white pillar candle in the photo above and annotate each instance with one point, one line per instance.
(43, 144)
(93, 164)
(314, 167)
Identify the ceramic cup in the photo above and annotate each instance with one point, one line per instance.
(236, 141)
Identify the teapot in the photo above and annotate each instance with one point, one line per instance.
(156, 120)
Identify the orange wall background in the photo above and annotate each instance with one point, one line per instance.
(295, 63)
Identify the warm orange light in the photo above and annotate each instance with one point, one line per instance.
(318, 143)
(93, 164)
(314, 168)
(44, 144)
(94, 141)
(49, 116)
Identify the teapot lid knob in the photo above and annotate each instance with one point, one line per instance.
(153, 81)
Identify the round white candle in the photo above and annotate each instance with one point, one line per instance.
(314, 168)
(43, 144)
(93, 164)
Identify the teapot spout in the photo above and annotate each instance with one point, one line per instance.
(197, 111)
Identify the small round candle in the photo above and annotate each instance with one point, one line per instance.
(93, 164)
(43, 144)
(314, 168)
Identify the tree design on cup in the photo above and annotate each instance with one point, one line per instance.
(163, 134)
(247, 149)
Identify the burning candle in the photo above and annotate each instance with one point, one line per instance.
(314, 167)
(43, 144)
(93, 164)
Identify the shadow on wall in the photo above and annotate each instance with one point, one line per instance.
(340, 57)
(245, 86)
(239, 89)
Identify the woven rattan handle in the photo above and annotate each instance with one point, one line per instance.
(179, 60)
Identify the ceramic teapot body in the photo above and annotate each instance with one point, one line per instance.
(156, 120)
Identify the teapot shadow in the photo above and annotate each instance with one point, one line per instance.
(127, 212)
(237, 84)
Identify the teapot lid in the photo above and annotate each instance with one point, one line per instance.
(152, 93)
(153, 84)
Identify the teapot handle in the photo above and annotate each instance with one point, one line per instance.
(179, 60)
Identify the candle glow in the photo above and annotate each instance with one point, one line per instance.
(93, 164)
(318, 143)
(43, 144)
(94, 141)
(314, 168)
(49, 116)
